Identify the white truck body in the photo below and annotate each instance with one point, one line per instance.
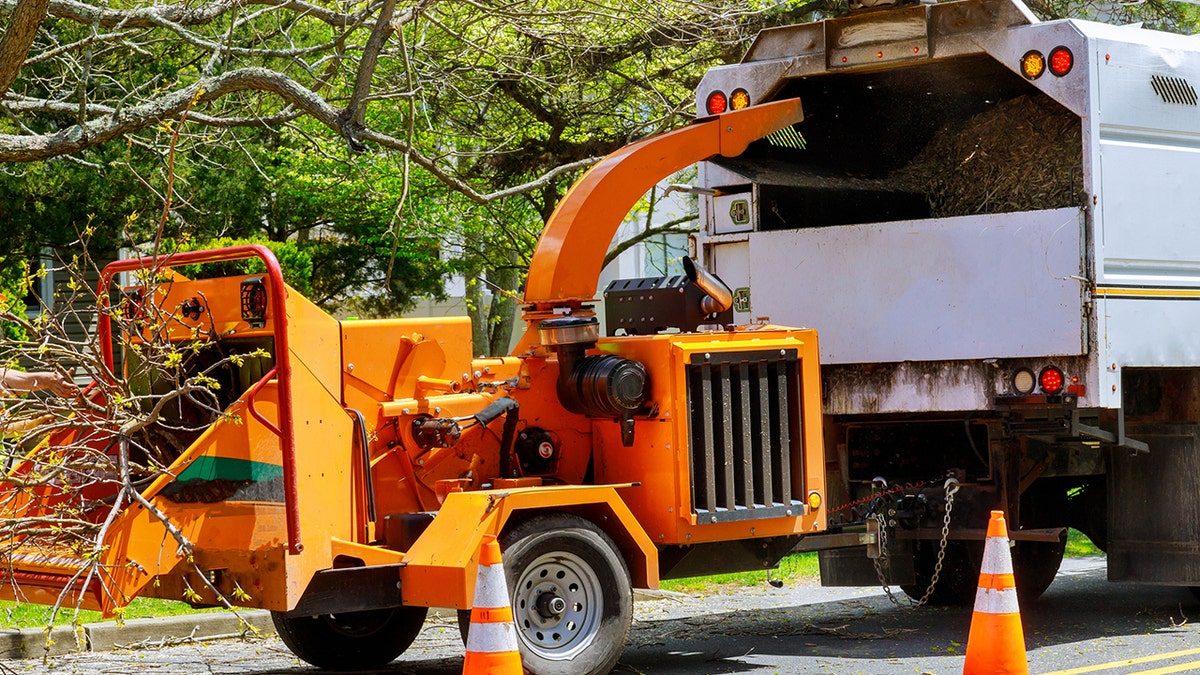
(1114, 282)
(931, 311)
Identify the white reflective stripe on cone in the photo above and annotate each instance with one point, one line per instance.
(996, 558)
(989, 601)
(492, 637)
(490, 590)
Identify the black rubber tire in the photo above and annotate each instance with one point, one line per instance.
(959, 578)
(1035, 564)
(353, 640)
(563, 555)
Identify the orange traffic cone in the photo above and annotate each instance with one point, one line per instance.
(996, 645)
(492, 640)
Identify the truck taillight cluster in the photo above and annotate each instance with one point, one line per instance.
(1051, 381)
(718, 102)
(1060, 62)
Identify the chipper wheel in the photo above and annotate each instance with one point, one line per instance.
(571, 593)
(353, 640)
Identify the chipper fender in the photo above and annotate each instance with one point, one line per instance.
(566, 264)
(439, 569)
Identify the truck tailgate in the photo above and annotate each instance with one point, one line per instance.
(972, 287)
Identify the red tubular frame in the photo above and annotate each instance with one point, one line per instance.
(283, 362)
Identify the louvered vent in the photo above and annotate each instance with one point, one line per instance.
(1173, 89)
(745, 435)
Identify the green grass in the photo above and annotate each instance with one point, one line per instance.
(1079, 545)
(798, 566)
(28, 615)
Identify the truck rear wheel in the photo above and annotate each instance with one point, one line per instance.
(957, 579)
(1035, 564)
(571, 593)
(352, 640)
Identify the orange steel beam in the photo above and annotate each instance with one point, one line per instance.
(566, 265)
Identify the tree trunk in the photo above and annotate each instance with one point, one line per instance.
(480, 335)
(22, 27)
(504, 307)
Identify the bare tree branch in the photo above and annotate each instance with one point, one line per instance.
(185, 15)
(675, 226)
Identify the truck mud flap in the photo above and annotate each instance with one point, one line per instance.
(350, 589)
(1153, 507)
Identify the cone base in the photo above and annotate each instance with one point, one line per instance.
(996, 646)
(492, 663)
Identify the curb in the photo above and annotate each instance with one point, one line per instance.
(106, 636)
(24, 643)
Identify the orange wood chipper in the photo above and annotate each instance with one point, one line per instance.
(356, 465)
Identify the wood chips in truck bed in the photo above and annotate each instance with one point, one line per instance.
(1022, 154)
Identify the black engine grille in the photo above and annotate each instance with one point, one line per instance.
(745, 435)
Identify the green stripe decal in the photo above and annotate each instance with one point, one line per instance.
(229, 468)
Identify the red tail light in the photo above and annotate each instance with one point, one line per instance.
(1051, 380)
(1076, 388)
(1061, 61)
(717, 103)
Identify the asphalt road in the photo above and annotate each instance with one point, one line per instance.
(1082, 622)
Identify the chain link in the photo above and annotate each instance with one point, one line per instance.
(951, 487)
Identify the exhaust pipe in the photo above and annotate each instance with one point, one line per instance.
(719, 298)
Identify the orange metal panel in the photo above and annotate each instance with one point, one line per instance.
(237, 534)
(219, 300)
(382, 359)
(439, 570)
(661, 458)
(315, 341)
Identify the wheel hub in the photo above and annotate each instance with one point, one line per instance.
(558, 603)
(550, 605)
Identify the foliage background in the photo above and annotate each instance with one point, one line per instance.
(391, 144)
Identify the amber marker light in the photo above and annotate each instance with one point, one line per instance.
(740, 98)
(1033, 64)
(1076, 388)
(814, 501)
(1061, 61)
(717, 103)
